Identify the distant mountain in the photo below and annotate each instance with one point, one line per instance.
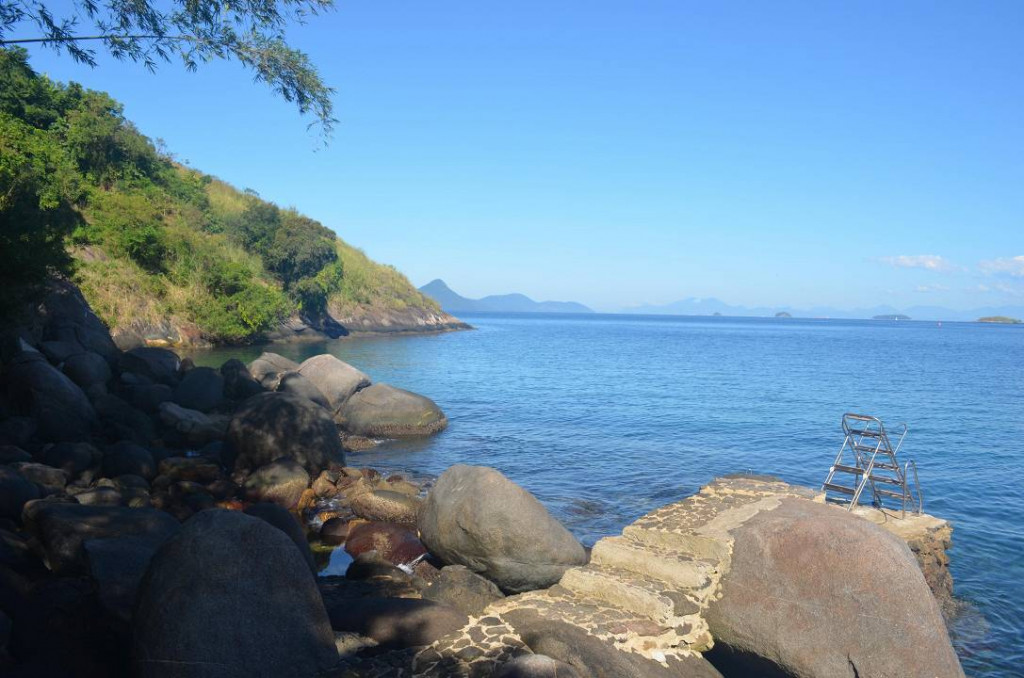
(453, 302)
(711, 306)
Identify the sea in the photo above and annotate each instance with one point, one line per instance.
(607, 417)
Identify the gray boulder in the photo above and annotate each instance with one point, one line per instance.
(387, 506)
(336, 379)
(157, 364)
(535, 666)
(193, 426)
(121, 421)
(88, 370)
(62, 529)
(273, 425)
(238, 383)
(128, 458)
(383, 411)
(298, 385)
(116, 565)
(59, 406)
(815, 591)
(281, 482)
(202, 388)
(59, 351)
(266, 369)
(475, 516)
(72, 458)
(15, 491)
(49, 479)
(230, 596)
(463, 589)
(285, 521)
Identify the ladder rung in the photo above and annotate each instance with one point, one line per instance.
(866, 433)
(871, 449)
(891, 481)
(841, 488)
(885, 467)
(890, 493)
(849, 469)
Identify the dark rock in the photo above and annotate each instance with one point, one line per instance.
(463, 589)
(193, 426)
(128, 458)
(334, 531)
(272, 425)
(117, 565)
(295, 384)
(50, 480)
(202, 388)
(157, 364)
(268, 367)
(591, 656)
(387, 506)
(17, 431)
(475, 516)
(370, 566)
(88, 370)
(12, 454)
(69, 318)
(99, 496)
(63, 528)
(285, 521)
(121, 421)
(394, 543)
(238, 383)
(196, 469)
(230, 590)
(60, 408)
(382, 411)
(72, 458)
(59, 351)
(536, 666)
(15, 492)
(281, 482)
(397, 622)
(815, 591)
(130, 482)
(324, 485)
(148, 397)
(335, 379)
(16, 553)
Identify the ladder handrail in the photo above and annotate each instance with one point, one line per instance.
(912, 466)
(857, 427)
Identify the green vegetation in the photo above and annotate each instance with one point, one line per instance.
(153, 240)
(194, 31)
(1000, 319)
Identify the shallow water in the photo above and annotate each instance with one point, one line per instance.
(607, 417)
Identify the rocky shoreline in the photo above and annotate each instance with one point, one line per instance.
(161, 519)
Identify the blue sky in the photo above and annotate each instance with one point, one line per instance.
(620, 153)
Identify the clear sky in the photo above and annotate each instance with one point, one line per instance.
(619, 153)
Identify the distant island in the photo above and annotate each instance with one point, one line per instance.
(891, 316)
(783, 314)
(452, 302)
(1000, 319)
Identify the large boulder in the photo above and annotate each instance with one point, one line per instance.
(68, 318)
(814, 591)
(238, 383)
(116, 565)
(281, 482)
(88, 370)
(121, 421)
(383, 411)
(202, 388)
(62, 529)
(72, 458)
(273, 425)
(157, 364)
(128, 458)
(193, 426)
(266, 369)
(475, 516)
(15, 491)
(230, 595)
(59, 406)
(285, 521)
(393, 543)
(296, 384)
(396, 622)
(387, 506)
(336, 379)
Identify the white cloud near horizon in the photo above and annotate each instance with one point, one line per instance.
(930, 262)
(932, 288)
(1011, 265)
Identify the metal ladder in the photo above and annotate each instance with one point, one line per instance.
(874, 466)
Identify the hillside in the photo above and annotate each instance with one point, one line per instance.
(163, 252)
(452, 302)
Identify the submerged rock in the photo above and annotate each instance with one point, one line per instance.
(230, 595)
(805, 577)
(272, 425)
(383, 411)
(475, 516)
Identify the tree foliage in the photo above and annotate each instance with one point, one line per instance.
(192, 31)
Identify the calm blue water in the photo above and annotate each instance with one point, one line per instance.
(607, 417)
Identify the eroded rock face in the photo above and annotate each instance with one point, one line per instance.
(475, 516)
(383, 411)
(272, 425)
(336, 379)
(806, 577)
(230, 595)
